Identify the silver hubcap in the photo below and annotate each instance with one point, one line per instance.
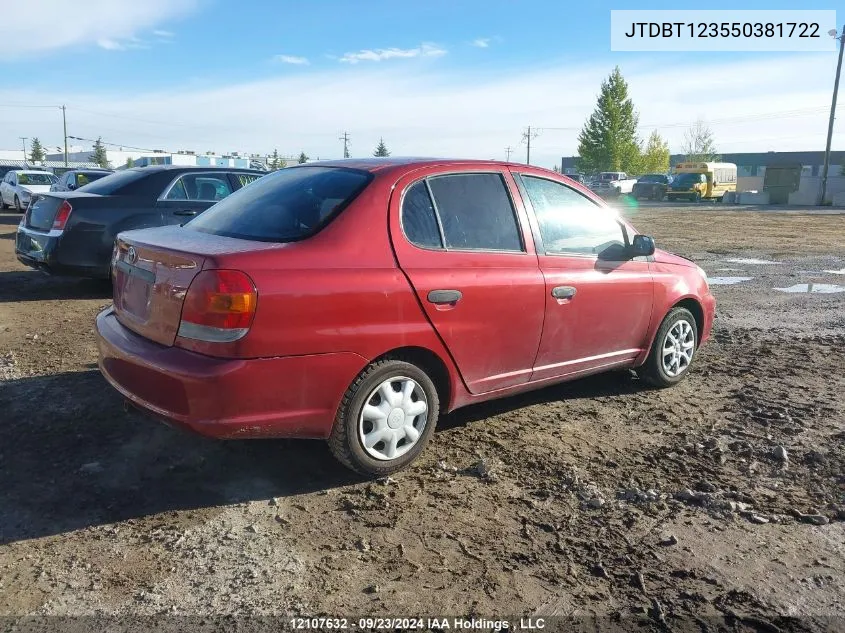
(678, 348)
(393, 418)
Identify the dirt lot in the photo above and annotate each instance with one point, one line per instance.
(719, 503)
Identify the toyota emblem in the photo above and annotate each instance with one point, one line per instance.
(131, 255)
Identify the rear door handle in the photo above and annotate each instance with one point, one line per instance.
(444, 296)
(185, 212)
(563, 292)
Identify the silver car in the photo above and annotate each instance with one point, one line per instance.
(19, 185)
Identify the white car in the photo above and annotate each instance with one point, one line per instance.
(19, 185)
(613, 183)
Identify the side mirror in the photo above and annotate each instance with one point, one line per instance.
(642, 246)
(71, 186)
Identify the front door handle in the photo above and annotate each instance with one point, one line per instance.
(185, 212)
(444, 296)
(563, 292)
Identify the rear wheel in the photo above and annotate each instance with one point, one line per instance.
(672, 351)
(385, 418)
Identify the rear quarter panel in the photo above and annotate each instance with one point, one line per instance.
(338, 291)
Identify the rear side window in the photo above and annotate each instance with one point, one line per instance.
(200, 187)
(245, 179)
(476, 213)
(569, 222)
(418, 219)
(285, 206)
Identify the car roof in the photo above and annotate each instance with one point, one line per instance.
(30, 171)
(400, 162)
(177, 168)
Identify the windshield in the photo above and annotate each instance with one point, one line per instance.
(652, 178)
(284, 206)
(112, 183)
(86, 177)
(686, 180)
(36, 179)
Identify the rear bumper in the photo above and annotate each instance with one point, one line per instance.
(40, 250)
(292, 396)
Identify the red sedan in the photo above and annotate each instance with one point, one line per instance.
(358, 300)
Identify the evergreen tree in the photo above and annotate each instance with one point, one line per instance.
(130, 163)
(655, 159)
(99, 156)
(381, 149)
(699, 144)
(36, 151)
(303, 158)
(608, 141)
(556, 169)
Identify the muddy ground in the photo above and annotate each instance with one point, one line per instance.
(717, 504)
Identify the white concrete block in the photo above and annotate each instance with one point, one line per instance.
(753, 198)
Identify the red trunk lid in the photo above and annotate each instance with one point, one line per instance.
(149, 285)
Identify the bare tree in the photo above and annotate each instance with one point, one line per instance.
(699, 144)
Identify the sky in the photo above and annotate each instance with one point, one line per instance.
(461, 78)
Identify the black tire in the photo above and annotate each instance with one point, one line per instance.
(652, 370)
(697, 197)
(18, 205)
(344, 440)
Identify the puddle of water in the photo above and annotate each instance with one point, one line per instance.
(841, 271)
(726, 281)
(750, 260)
(814, 288)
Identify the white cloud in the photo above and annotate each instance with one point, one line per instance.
(380, 54)
(481, 42)
(459, 113)
(291, 59)
(111, 24)
(164, 34)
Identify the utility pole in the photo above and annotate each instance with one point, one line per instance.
(508, 151)
(23, 142)
(527, 136)
(841, 38)
(64, 124)
(345, 139)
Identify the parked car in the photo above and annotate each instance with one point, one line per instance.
(72, 232)
(651, 186)
(19, 185)
(356, 301)
(579, 178)
(611, 184)
(76, 178)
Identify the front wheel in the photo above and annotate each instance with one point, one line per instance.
(672, 351)
(385, 418)
(18, 205)
(697, 197)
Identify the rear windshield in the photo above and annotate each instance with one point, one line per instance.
(114, 183)
(36, 179)
(284, 206)
(653, 178)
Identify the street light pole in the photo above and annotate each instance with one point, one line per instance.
(841, 38)
(64, 123)
(23, 143)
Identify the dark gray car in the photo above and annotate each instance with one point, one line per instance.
(72, 232)
(76, 178)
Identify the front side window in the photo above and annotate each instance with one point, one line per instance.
(475, 212)
(571, 223)
(245, 179)
(287, 205)
(200, 187)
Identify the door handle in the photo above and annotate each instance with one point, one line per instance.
(185, 212)
(444, 296)
(563, 292)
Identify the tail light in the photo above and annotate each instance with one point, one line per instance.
(62, 215)
(219, 306)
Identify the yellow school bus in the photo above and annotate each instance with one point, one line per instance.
(695, 181)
